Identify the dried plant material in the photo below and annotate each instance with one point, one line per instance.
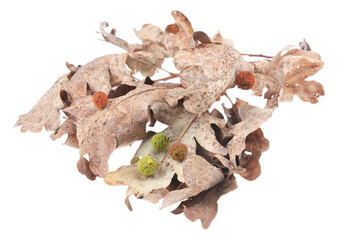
(120, 123)
(100, 74)
(256, 143)
(204, 205)
(83, 168)
(208, 149)
(112, 38)
(287, 73)
(206, 72)
(46, 111)
(178, 120)
(243, 119)
(217, 38)
(139, 185)
(68, 127)
(177, 36)
(199, 175)
(201, 37)
(148, 60)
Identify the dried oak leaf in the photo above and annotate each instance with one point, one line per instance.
(178, 120)
(287, 72)
(83, 168)
(217, 38)
(148, 59)
(151, 188)
(122, 121)
(206, 72)
(68, 127)
(177, 36)
(199, 175)
(204, 205)
(256, 143)
(112, 38)
(243, 119)
(46, 111)
(145, 58)
(100, 74)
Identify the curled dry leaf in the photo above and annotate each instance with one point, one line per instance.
(148, 59)
(217, 150)
(122, 121)
(83, 168)
(256, 143)
(68, 127)
(112, 38)
(199, 175)
(217, 38)
(204, 205)
(244, 120)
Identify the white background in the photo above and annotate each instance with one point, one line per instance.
(300, 194)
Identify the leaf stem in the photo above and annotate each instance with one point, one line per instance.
(233, 105)
(256, 55)
(173, 75)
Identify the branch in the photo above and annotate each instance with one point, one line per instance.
(256, 55)
(174, 75)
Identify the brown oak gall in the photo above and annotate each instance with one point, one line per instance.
(178, 152)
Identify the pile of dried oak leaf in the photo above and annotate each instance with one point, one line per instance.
(218, 148)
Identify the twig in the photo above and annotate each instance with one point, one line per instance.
(256, 55)
(233, 105)
(174, 75)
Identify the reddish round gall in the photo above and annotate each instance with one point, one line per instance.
(245, 80)
(100, 99)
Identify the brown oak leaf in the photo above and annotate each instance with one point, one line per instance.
(68, 127)
(177, 36)
(100, 74)
(199, 175)
(243, 119)
(122, 121)
(206, 72)
(83, 168)
(256, 143)
(112, 38)
(178, 120)
(287, 73)
(148, 59)
(46, 111)
(204, 205)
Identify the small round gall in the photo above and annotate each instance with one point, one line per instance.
(178, 152)
(146, 166)
(100, 99)
(160, 142)
(245, 80)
